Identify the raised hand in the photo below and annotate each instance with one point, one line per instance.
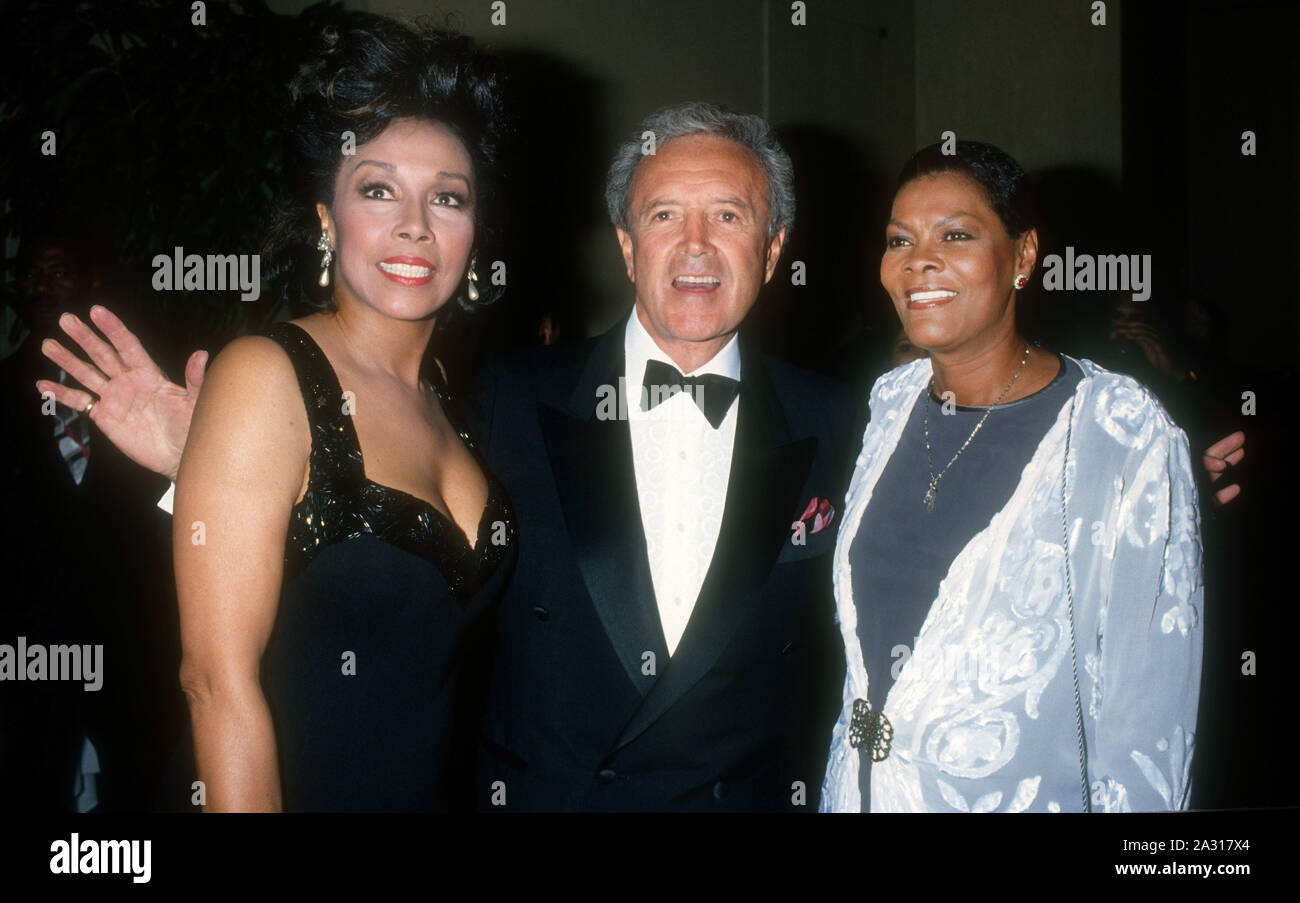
(135, 405)
(1218, 457)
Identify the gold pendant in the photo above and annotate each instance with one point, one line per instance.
(929, 498)
(870, 729)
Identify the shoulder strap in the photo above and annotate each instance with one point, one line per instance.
(335, 448)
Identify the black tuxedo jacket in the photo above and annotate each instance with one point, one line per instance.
(585, 709)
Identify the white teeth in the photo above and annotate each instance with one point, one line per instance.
(699, 280)
(406, 270)
(931, 296)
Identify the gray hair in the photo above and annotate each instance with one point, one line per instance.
(699, 118)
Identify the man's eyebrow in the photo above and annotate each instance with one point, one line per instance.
(733, 200)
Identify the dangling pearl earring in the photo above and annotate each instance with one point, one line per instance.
(323, 244)
(1020, 281)
(472, 288)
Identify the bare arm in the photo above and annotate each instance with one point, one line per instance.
(243, 468)
(138, 409)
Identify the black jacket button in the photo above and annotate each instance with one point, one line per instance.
(719, 790)
(542, 613)
(606, 776)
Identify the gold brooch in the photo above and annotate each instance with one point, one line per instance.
(870, 729)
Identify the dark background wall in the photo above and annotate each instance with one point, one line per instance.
(1134, 126)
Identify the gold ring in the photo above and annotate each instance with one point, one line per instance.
(86, 410)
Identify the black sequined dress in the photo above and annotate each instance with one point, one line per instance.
(380, 592)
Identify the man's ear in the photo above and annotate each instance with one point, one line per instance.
(1027, 253)
(625, 242)
(773, 254)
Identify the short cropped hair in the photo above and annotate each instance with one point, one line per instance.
(699, 118)
(1005, 183)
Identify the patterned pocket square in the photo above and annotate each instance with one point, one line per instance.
(818, 515)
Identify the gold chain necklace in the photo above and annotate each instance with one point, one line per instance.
(933, 491)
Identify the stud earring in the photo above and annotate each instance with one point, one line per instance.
(1021, 281)
(323, 244)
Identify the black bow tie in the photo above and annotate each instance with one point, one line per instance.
(712, 393)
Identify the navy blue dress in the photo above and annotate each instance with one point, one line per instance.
(380, 595)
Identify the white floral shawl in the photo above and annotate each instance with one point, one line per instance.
(999, 732)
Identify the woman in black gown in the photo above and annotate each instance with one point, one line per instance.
(326, 592)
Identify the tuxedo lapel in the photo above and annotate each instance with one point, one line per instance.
(768, 470)
(591, 460)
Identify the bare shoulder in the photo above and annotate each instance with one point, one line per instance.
(254, 372)
(252, 359)
(250, 399)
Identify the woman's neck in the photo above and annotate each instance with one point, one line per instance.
(981, 377)
(383, 345)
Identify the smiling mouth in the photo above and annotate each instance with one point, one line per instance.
(406, 270)
(931, 298)
(696, 283)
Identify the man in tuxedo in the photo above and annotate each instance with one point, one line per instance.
(668, 641)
